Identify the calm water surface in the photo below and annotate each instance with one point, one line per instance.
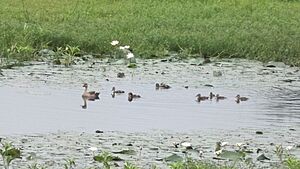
(47, 98)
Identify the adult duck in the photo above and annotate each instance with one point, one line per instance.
(90, 95)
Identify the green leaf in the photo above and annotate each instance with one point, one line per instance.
(128, 152)
(132, 65)
(173, 158)
(232, 155)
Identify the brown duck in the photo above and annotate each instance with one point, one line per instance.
(132, 96)
(90, 95)
(200, 98)
(162, 86)
(239, 98)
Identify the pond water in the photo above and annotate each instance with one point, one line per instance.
(45, 98)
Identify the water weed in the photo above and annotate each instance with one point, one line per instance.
(9, 153)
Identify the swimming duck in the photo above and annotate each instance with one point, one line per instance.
(162, 86)
(114, 92)
(211, 95)
(239, 98)
(218, 97)
(201, 98)
(132, 96)
(117, 91)
(90, 95)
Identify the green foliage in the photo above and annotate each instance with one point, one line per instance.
(36, 166)
(105, 158)
(264, 30)
(9, 153)
(65, 56)
(70, 164)
(194, 164)
(128, 165)
(292, 163)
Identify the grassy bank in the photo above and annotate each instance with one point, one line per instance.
(263, 30)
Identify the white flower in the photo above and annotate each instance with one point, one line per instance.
(93, 148)
(130, 55)
(288, 148)
(240, 144)
(224, 144)
(124, 47)
(186, 144)
(114, 42)
(219, 152)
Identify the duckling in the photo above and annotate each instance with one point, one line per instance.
(117, 91)
(90, 95)
(201, 98)
(162, 86)
(218, 97)
(157, 86)
(132, 96)
(239, 98)
(211, 95)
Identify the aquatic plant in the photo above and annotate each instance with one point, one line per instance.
(70, 164)
(66, 55)
(105, 158)
(36, 166)
(128, 165)
(124, 52)
(292, 162)
(9, 153)
(279, 152)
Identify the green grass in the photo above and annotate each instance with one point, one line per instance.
(264, 30)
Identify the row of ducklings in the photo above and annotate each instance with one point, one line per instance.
(92, 95)
(200, 98)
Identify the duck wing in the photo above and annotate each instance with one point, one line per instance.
(92, 92)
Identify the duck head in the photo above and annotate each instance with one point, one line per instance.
(157, 86)
(85, 85)
(130, 96)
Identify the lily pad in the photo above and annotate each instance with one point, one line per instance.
(128, 152)
(217, 73)
(232, 155)
(173, 158)
(262, 157)
(132, 65)
(107, 158)
(120, 62)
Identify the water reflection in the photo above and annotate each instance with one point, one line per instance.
(85, 99)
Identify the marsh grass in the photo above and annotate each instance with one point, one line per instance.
(264, 30)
